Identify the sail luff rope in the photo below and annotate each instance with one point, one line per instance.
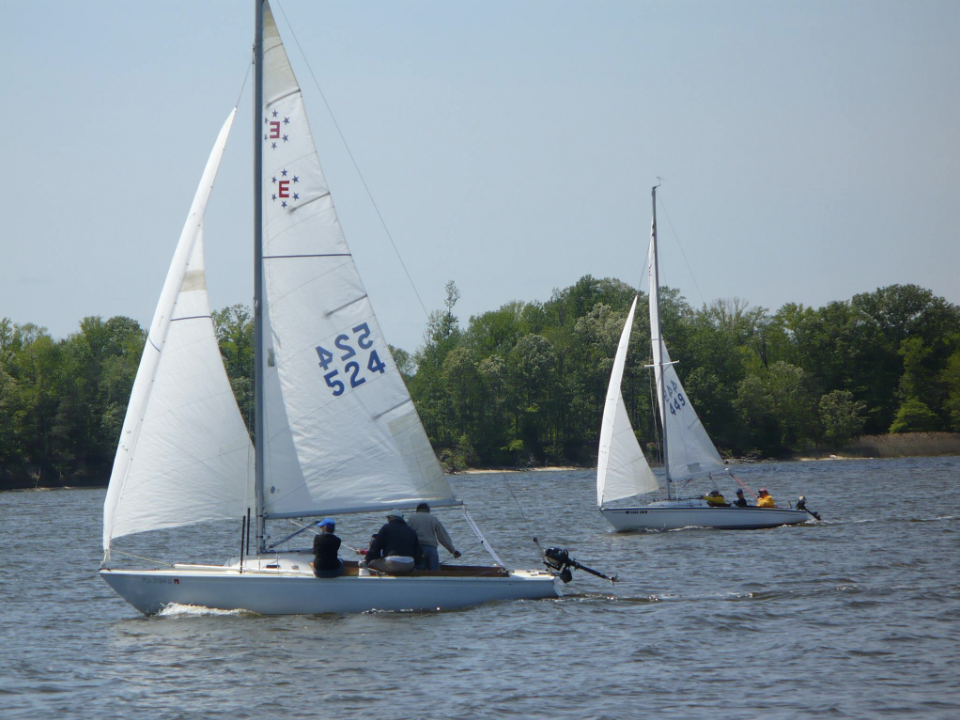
(356, 167)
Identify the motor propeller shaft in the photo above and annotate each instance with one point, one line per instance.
(559, 559)
(802, 505)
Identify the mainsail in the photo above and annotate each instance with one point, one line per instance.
(690, 452)
(341, 431)
(184, 454)
(622, 470)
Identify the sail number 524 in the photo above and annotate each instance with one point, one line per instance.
(352, 371)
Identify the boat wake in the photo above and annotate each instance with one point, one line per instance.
(867, 521)
(178, 610)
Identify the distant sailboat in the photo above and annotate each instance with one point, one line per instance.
(689, 454)
(336, 430)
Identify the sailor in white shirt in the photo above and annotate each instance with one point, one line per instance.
(430, 532)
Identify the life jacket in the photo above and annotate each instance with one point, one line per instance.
(715, 500)
(766, 501)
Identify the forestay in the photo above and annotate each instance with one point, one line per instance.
(184, 454)
(622, 470)
(690, 452)
(341, 431)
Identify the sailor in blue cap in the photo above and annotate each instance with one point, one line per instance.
(326, 545)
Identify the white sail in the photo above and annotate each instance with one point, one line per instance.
(622, 470)
(341, 431)
(184, 454)
(690, 452)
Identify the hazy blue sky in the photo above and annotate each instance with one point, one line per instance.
(810, 149)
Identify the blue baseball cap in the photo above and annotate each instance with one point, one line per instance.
(327, 522)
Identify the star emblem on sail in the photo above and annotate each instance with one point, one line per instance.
(292, 176)
(285, 188)
(276, 129)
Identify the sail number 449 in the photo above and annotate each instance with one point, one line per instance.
(352, 372)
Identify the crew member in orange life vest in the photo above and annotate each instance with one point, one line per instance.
(765, 499)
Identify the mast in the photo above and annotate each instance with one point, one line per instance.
(258, 430)
(659, 358)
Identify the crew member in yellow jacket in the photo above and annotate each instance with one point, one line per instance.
(765, 499)
(715, 499)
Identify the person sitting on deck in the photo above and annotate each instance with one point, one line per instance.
(326, 545)
(741, 501)
(715, 499)
(395, 548)
(765, 499)
(430, 532)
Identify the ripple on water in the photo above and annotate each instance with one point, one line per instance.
(855, 617)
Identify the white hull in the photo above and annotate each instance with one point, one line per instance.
(292, 589)
(672, 516)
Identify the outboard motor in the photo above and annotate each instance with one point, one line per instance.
(559, 561)
(802, 505)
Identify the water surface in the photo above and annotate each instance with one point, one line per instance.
(857, 617)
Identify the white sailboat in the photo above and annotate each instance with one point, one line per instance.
(689, 454)
(336, 430)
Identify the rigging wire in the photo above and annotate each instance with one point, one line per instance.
(356, 167)
(684, 254)
(243, 86)
(526, 520)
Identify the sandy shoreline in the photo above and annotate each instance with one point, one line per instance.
(484, 471)
(557, 468)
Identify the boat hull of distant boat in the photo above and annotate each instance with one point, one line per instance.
(679, 514)
(290, 588)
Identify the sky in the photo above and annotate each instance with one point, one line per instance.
(809, 150)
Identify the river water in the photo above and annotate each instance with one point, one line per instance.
(856, 617)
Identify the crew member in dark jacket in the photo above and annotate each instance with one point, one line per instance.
(741, 501)
(326, 545)
(395, 547)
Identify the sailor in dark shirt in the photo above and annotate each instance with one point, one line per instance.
(326, 545)
(395, 547)
(741, 501)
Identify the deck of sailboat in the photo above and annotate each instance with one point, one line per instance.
(290, 565)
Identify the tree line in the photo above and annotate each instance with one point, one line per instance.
(525, 384)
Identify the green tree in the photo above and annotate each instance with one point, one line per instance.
(841, 416)
(531, 371)
(235, 336)
(914, 416)
(951, 382)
